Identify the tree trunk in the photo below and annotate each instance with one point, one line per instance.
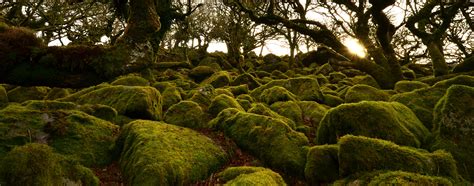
(440, 67)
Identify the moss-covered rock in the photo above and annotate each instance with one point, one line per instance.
(210, 61)
(385, 120)
(361, 154)
(218, 79)
(247, 79)
(131, 80)
(200, 73)
(37, 164)
(408, 86)
(332, 100)
(276, 74)
(131, 101)
(269, 139)
(156, 153)
(335, 77)
(276, 94)
(21, 94)
(72, 133)
(393, 178)
(3, 97)
(203, 95)
(186, 114)
(423, 101)
(363, 92)
(454, 127)
(239, 89)
(56, 93)
(324, 69)
(100, 111)
(262, 109)
(250, 176)
(222, 102)
(171, 96)
(322, 164)
(224, 91)
(305, 88)
(366, 80)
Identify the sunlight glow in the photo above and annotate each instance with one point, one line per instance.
(355, 47)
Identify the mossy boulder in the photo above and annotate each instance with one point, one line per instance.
(393, 178)
(202, 95)
(100, 111)
(186, 114)
(423, 101)
(239, 89)
(322, 164)
(3, 97)
(385, 120)
(247, 79)
(235, 176)
(37, 164)
(324, 69)
(361, 154)
(454, 127)
(269, 139)
(210, 61)
(222, 102)
(224, 91)
(21, 94)
(132, 101)
(218, 79)
(276, 94)
(307, 113)
(171, 96)
(335, 77)
(363, 92)
(262, 109)
(56, 93)
(305, 88)
(408, 86)
(156, 153)
(131, 80)
(332, 100)
(72, 133)
(200, 73)
(366, 80)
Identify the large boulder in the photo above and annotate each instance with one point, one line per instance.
(322, 164)
(235, 176)
(454, 127)
(222, 102)
(131, 80)
(269, 139)
(72, 133)
(423, 101)
(393, 178)
(361, 92)
(156, 153)
(359, 154)
(385, 120)
(186, 114)
(218, 79)
(142, 102)
(408, 86)
(276, 94)
(21, 94)
(38, 164)
(305, 88)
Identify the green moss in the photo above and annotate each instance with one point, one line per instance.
(72, 133)
(163, 85)
(322, 80)
(362, 92)
(155, 153)
(100, 111)
(324, 69)
(186, 114)
(247, 79)
(222, 102)
(131, 80)
(276, 74)
(393, 178)
(200, 73)
(3, 97)
(332, 100)
(203, 95)
(322, 164)
(454, 127)
(276, 94)
(385, 120)
(408, 86)
(21, 94)
(305, 88)
(423, 101)
(171, 96)
(224, 91)
(131, 101)
(218, 79)
(251, 176)
(49, 105)
(239, 89)
(210, 62)
(290, 110)
(262, 109)
(56, 93)
(361, 154)
(366, 80)
(335, 77)
(269, 139)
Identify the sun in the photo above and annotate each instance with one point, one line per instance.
(355, 47)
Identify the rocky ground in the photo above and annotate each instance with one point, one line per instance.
(206, 123)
